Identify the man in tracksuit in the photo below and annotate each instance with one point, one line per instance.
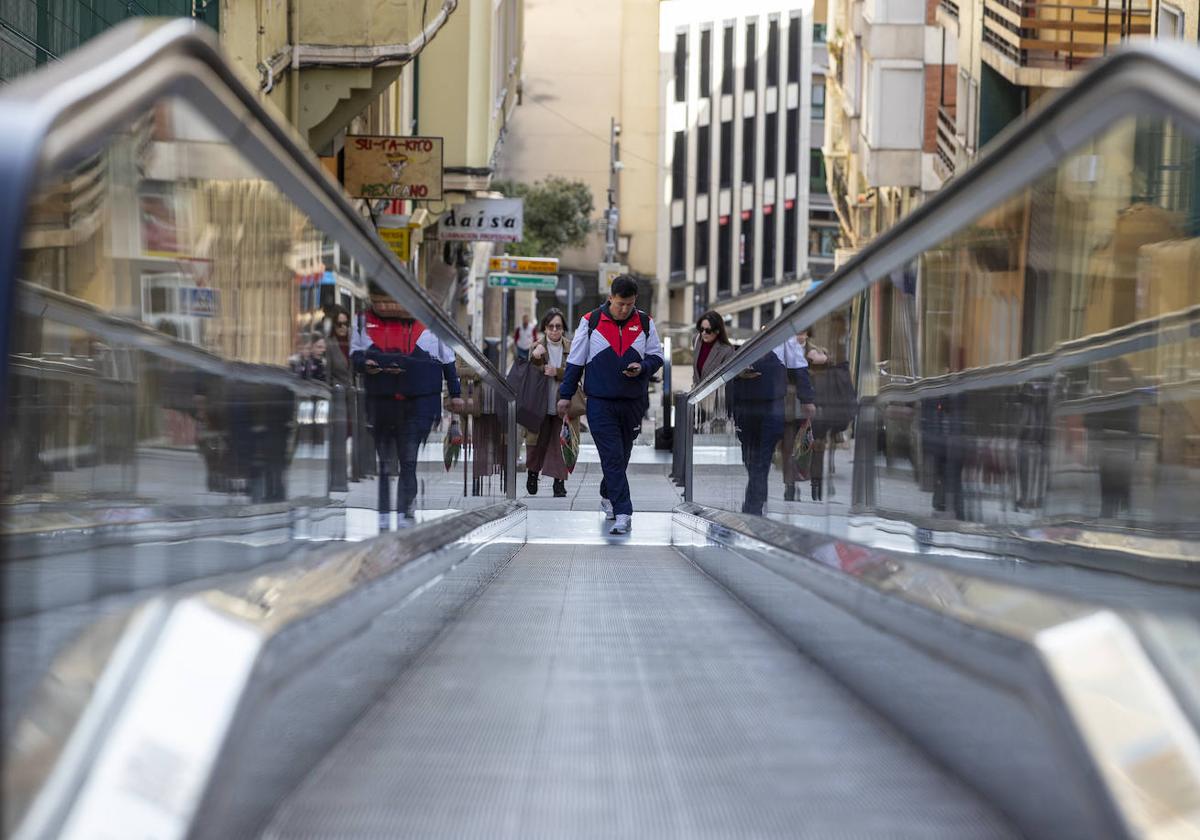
(618, 347)
(756, 398)
(405, 365)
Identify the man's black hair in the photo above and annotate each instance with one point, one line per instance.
(624, 286)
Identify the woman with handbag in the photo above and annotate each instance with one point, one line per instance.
(543, 448)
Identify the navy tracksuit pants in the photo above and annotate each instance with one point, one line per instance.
(759, 429)
(400, 427)
(614, 425)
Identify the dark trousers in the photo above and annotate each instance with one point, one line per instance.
(400, 427)
(759, 429)
(614, 425)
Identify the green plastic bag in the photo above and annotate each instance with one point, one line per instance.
(452, 445)
(802, 452)
(568, 439)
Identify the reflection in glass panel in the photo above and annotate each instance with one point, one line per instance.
(183, 395)
(1036, 371)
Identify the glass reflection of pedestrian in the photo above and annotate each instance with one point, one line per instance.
(756, 399)
(317, 366)
(799, 410)
(543, 448)
(405, 365)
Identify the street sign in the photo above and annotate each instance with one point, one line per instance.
(541, 282)
(524, 265)
(608, 271)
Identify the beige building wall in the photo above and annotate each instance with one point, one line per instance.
(640, 158)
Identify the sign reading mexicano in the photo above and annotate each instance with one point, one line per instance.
(484, 220)
(394, 167)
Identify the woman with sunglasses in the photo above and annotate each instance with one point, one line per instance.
(711, 350)
(543, 450)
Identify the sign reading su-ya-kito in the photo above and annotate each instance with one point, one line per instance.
(484, 220)
(394, 167)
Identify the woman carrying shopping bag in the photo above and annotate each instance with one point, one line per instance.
(544, 447)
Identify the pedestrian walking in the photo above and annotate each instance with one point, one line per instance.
(711, 350)
(543, 447)
(524, 337)
(405, 365)
(618, 347)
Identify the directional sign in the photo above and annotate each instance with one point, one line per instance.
(544, 282)
(523, 265)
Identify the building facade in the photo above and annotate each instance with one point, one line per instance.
(735, 141)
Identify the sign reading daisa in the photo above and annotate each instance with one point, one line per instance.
(524, 265)
(380, 166)
(484, 220)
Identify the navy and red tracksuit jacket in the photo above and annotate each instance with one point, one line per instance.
(404, 343)
(606, 351)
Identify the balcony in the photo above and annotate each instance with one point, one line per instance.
(947, 143)
(1035, 44)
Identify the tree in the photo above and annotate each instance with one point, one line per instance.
(557, 215)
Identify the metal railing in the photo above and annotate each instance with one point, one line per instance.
(57, 118)
(947, 143)
(1059, 35)
(1158, 80)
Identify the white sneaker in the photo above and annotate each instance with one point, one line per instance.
(385, 522)
(623, 524)
(606, 506)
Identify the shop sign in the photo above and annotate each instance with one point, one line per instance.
(484, 220)
(393, 167)
(399, 239)
(609, 272)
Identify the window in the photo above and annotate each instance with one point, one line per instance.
(771, 146)
(791, 150)
(751, 70)
(773, 53)
(789, 240)
(679, 167)
(678, 240)
(748, 139)
(819, 31)
(793, 50)
(726, 174)
(703, 158)
(746, 255)
(1170, 22)
(768, 249)
(702, 244)
(727, 60)
(724, 268)
(766, 314)
(822, 241)
(745, 319)
(816, 171)
(818, 100)
(705, 63)
(681, 67)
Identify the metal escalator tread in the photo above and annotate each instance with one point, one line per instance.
(616, 690)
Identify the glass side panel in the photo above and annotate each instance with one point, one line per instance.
(190, 391)
(1035, 373)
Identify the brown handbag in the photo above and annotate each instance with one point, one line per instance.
(578, 406)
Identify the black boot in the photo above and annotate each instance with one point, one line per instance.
(789, 492)
(816, 489)
(560, 488)
(531, 483)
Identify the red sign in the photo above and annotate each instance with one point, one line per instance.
(745, 215)
(790, 204)
(724, 220)
(769, 209)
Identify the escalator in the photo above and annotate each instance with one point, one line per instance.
(202, 641)
(599, 691)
